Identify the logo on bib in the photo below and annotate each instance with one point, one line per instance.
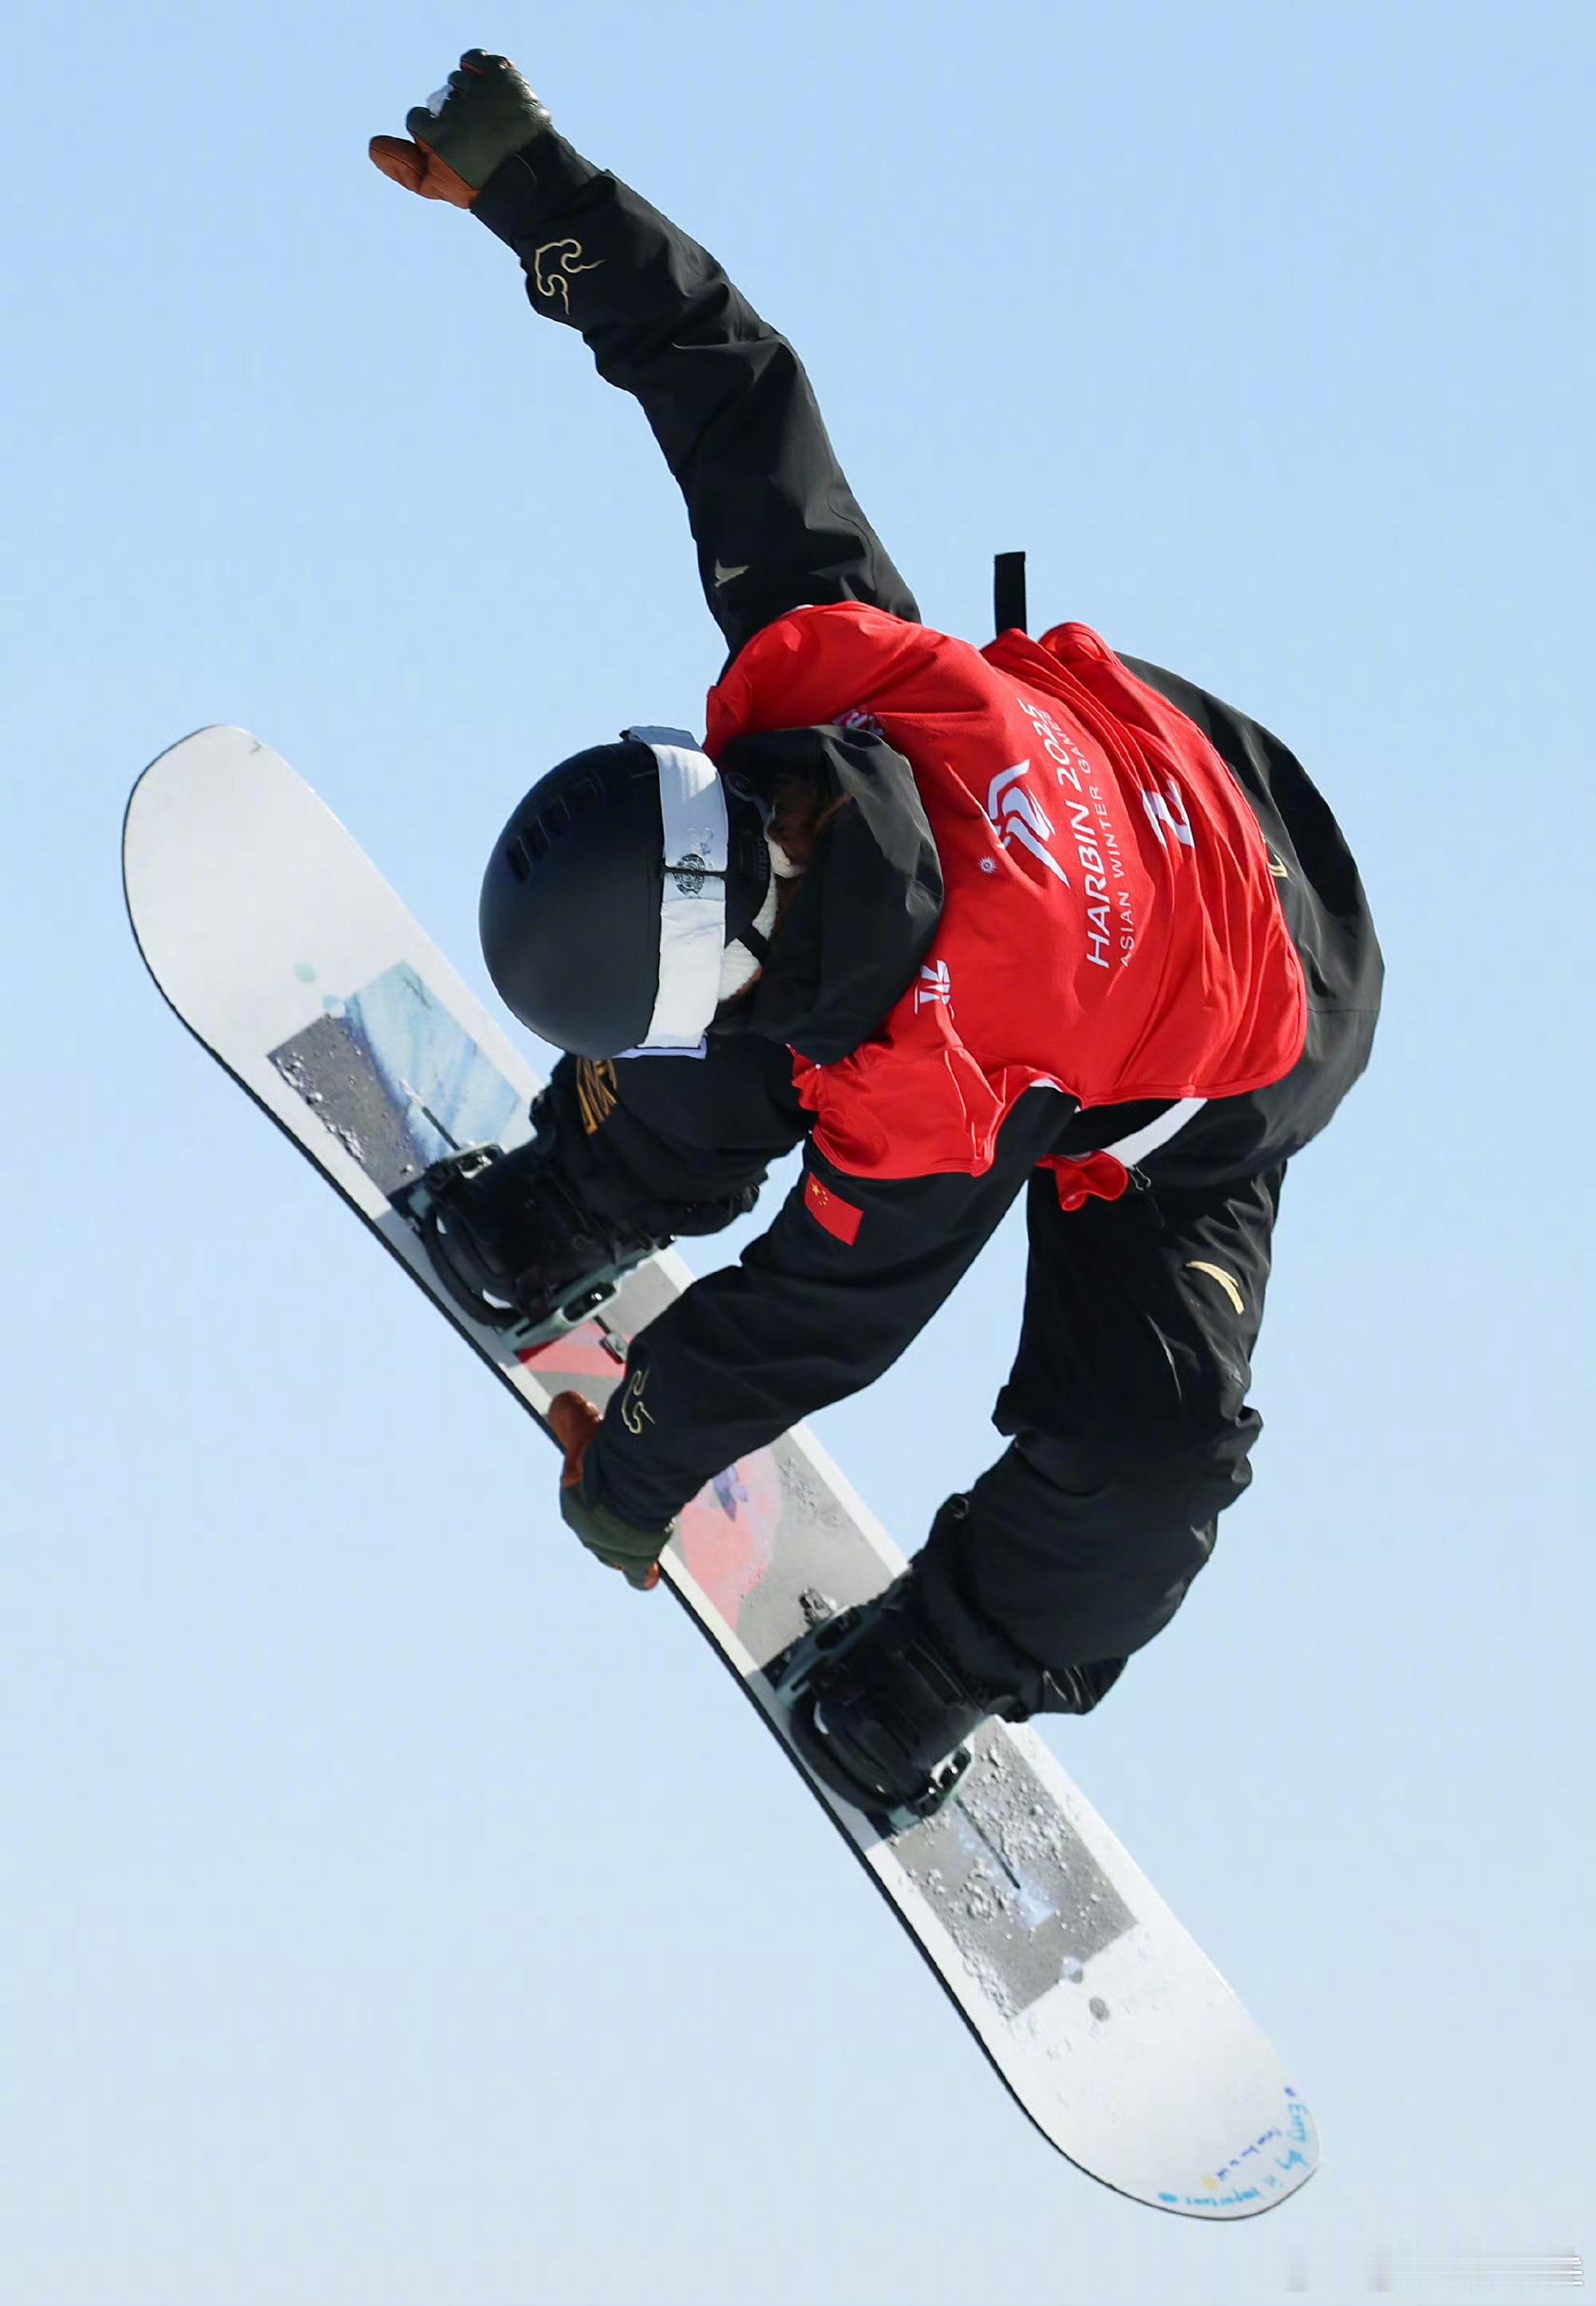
(1020, 816)
(1160, 813)
(865, 722)
(935, 986)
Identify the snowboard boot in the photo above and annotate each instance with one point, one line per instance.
(886, 1695)
(512, 1246)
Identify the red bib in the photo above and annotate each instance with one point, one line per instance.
(1111, 926)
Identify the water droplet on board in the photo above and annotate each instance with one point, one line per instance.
(305, 972)
(1098, 2006)
(1073, 1971)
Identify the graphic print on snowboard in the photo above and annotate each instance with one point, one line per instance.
(281, 947)
(396, 1079)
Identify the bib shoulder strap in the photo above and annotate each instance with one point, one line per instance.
(1008, 593)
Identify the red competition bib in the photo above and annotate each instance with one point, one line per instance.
(1111, 927)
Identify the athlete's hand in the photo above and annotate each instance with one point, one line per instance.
(617, 1544)
(484, 114)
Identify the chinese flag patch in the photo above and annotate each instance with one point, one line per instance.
(839, 1217)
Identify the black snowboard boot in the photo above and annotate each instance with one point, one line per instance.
(512, 1245)
(881, 1712)
(885, 1695)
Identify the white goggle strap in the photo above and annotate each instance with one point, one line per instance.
(693, 895)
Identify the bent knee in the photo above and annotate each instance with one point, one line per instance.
(1179, 1473)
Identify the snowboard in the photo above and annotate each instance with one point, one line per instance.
(282, 949)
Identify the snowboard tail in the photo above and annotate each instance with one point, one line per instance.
(282, 949)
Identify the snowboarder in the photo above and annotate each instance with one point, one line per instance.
(959, 922)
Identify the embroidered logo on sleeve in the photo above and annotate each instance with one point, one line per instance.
(635, 1412)
(840, 1219)
(552, 266)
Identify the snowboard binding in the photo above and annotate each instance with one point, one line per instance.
(519, 1256)
(874, 1708)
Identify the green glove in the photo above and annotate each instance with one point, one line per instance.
(618, 1544)
(486, 111)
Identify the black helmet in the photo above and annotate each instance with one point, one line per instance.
(615, 891)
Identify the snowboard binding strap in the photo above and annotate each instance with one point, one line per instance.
(534, 1317)
(792, 1675)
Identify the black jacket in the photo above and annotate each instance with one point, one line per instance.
(809, 1317)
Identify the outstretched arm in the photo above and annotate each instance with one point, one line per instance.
(775, 521)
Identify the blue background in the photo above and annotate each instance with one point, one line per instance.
(395, 1911)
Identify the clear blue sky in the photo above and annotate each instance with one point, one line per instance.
(394, 1911)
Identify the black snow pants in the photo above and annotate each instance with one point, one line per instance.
(1131, 1431)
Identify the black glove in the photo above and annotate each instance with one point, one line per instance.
(484, 113)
